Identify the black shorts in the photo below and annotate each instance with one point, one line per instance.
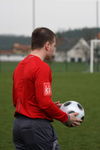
(34, 134)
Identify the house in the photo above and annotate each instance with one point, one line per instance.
(21, 49)
(18, 53)
(6, 52)
(79, 53)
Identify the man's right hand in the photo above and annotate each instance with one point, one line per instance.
(73, 121)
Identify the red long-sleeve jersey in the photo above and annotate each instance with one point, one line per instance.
(32, 93)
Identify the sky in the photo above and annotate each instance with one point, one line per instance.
(16, 16)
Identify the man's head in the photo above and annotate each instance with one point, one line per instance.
(44, 38)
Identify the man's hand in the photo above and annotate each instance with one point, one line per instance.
(58, 104)
(73, 121)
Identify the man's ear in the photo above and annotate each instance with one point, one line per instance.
(47, 46)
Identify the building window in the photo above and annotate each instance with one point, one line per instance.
(79, 60)
(72, 59)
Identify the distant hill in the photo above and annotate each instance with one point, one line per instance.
(65, 40)
(7, 41)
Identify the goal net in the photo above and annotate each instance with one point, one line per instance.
(95, 56)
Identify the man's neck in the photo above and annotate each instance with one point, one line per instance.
(39, 53)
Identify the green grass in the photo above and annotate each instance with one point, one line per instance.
(69, 67)
(80, 86)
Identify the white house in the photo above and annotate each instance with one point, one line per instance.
(79, 53)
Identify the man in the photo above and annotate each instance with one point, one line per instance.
(34, 108)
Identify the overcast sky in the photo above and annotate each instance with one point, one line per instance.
(16, 16)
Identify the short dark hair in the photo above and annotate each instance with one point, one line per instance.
(40, 36)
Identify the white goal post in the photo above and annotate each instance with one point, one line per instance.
(94, 43)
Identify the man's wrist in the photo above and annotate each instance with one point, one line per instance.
(68, 123)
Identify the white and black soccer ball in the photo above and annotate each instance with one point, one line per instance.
(72, 107)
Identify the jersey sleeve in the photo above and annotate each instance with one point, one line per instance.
(43, 94)
(13, 92)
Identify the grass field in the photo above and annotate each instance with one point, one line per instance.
(80, 86)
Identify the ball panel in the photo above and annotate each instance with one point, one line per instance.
(79, 106)
(67, 103)
(71, 112)
(82, 118)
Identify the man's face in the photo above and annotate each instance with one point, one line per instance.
(51, 50)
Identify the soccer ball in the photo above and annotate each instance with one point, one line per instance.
(72, 107)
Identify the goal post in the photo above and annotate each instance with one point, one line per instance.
(94, 53)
